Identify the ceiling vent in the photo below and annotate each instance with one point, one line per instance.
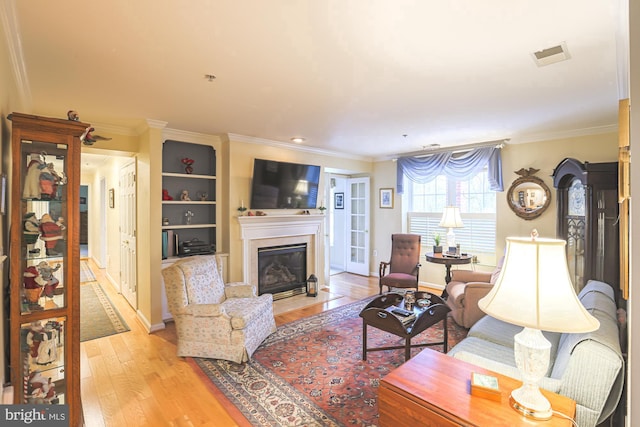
(551, 55)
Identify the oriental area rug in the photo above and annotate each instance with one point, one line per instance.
(310, 372)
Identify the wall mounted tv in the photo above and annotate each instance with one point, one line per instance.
(281, 185)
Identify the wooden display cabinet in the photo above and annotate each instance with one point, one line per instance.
(45, 262)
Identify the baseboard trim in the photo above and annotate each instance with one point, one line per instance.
(147, 325)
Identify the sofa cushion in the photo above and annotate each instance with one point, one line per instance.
(493, 330)
(606, 334)
(399, 279)
(484, 348)
(597, 286)
(245, 311)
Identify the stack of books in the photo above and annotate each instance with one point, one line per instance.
(169, 244)
(405, 316)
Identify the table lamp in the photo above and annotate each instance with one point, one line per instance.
(451, 219)
(534, 290)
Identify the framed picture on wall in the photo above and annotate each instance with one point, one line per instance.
(386, 198)
(338, 201)
(112, 196)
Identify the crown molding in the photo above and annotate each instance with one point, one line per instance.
(194, 137)
(11, 28)
(296, 147)
(114, 129)
(523, 139)
(574, 133)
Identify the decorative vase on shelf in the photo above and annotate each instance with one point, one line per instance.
(241, 209)
(187, 162)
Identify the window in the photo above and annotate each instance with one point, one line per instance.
(477, 207)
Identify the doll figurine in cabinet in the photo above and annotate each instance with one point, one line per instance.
(33, 287)
(51, 281)
(51, 233)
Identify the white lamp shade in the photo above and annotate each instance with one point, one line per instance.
(534, 289)
(451, 217)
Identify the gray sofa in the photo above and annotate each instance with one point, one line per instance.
(588, 367)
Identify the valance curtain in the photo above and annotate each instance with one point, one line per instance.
(425, 169)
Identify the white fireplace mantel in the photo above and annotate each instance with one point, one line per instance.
(273, 230)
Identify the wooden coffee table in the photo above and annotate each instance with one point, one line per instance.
(378, 313)
(432, 389)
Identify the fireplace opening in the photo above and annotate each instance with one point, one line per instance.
(282, 270)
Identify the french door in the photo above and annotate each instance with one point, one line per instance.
(357, 238)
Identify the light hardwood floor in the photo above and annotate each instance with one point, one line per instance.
(135, 379)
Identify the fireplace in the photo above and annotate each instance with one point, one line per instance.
(282, 270)
(268, 231)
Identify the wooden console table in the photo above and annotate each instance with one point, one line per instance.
(433, 389)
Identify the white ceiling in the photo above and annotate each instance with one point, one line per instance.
(349, 76)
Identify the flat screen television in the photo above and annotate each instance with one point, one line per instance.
(282, 185)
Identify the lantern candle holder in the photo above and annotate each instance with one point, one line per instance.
(312, 286)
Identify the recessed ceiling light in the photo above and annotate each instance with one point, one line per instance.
(210, 77)
(297, 140)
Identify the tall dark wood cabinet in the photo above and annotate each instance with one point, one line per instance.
(587, 200)
(45, 262)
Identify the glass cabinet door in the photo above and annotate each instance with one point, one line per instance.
(43, 258)
(44, 207)
(43, 367)
(576, 225)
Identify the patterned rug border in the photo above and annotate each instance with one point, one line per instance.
(118, 323)
(222, 375)
(232, 409)
(86, 274)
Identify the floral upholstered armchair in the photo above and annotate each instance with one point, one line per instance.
(213, 319)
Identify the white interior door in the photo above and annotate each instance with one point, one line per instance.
(357, 207)
(127, 209)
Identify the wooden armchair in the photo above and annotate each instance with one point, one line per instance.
(404, 265)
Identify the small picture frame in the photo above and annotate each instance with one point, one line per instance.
(112, 196)
(386, 198)
(338, 200)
